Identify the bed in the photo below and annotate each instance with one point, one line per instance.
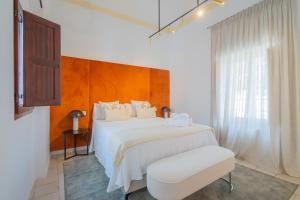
(129, 172)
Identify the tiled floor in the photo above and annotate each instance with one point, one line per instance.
(52, 187)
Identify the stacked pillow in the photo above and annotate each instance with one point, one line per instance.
(99, 109)
(146, 112)
(116, 114)
(114, 111)
(139, 104)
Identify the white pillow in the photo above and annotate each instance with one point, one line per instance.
(99, 109)
(96, 111)
(116, 114)
(146, 112)
(126, 106)
(139, 104)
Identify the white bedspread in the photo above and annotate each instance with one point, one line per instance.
(136, 159)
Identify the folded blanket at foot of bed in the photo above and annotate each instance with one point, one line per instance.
(123, 140)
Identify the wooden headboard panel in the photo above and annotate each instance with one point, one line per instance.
(84, 82)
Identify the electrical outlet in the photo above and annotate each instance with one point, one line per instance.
(84, 112)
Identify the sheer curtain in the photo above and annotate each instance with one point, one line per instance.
(255, 85)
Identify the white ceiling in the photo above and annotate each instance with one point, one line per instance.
(147, 10)
(144, 13)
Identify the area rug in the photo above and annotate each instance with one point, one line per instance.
(85, 179)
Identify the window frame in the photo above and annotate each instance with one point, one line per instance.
(19, 109)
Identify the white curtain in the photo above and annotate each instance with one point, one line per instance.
(256, 85)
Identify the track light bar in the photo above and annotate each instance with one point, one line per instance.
(175, 20)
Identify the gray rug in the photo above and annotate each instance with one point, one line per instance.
(85, 180)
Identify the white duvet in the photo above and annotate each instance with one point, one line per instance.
(135, 159)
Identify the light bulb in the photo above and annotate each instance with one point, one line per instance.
(220, 2)
(173, 31)
(200, 13)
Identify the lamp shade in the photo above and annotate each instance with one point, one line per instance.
(166, 109)
(75, 114)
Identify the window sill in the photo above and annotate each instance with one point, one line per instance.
(22, 111)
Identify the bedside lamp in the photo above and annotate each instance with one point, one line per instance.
(166, 111)
(75, 115)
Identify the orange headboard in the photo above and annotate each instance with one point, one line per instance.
(84, 82)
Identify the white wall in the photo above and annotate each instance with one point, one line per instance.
(24, 143)
(190, 81)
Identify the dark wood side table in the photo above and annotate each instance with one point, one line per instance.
(83, 132)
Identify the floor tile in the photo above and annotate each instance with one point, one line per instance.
(60, 167)
(47, 180)
(61, 186)
(296, 197)
(265, 172)
(289, 178)
(246, 164)
(52, 196)
(292, 197)
(52, 163)
(298, 190)
(46, 189)
(52, 171)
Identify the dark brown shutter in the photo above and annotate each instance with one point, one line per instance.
(41, 61)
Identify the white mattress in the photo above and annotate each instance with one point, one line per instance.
(136, 159)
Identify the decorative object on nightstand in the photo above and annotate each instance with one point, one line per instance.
(75, 115)
(166, 111)
(84, 132)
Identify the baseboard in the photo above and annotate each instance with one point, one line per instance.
(69, 150)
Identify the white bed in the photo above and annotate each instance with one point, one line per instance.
(136, 159)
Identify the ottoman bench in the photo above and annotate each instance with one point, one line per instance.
(179, 176)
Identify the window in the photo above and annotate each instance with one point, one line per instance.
(244, 75)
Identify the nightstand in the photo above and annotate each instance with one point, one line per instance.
(83, 132)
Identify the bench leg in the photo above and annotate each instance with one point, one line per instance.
(229, 182)
(127, 196)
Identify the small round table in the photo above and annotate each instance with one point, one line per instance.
(83, 132)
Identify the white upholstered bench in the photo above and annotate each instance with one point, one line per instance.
(179, 176)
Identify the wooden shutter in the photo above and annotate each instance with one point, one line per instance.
(41, 61)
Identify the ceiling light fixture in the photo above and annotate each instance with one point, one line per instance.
(220, 2)
(200, 13)
(198, 4)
